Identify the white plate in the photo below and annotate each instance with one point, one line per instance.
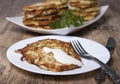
(92, 47)
(63, 31)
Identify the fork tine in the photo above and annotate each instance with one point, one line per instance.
(81, 47)
(75, 46)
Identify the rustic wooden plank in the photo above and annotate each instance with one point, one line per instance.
(100, 31)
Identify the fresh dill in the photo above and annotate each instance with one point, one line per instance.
(67, 19)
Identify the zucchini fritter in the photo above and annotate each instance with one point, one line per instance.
(34, 54)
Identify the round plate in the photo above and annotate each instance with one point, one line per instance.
(94, 48)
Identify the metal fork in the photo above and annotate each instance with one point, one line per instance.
(84, 54)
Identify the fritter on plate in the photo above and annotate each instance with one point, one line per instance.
(35, 53)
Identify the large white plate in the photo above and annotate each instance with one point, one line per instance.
(63, 31)
(94, 48)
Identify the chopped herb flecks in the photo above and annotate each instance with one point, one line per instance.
(67, 19)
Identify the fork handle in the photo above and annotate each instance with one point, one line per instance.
(111, 72)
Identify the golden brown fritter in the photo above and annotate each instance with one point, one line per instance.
(39, 22)
(34, 14)
(38, 6)
(34, 54)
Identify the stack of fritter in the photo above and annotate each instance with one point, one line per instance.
(86, 8)
(40, 15)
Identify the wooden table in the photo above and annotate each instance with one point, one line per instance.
(100, 31)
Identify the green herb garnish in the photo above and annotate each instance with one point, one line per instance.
(67, 19)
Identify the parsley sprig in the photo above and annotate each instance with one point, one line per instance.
(67, 19)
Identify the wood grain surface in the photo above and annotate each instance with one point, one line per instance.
(100, 31)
